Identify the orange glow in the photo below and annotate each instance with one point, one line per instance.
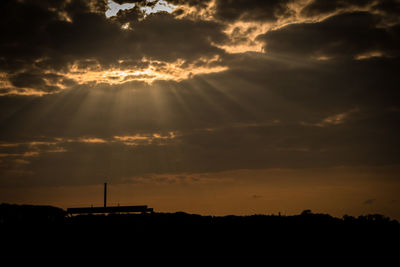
(336, 191)
(194, 13)
(157, 70)
(332, 120)
(25, 154)
(141, 139)
(370, 54)
(92, 140)
(243, 36)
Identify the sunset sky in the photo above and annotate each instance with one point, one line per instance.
(213, 107)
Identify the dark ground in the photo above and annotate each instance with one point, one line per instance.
(179, 234)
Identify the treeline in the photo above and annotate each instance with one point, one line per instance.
(11, 214)
(175, 235)
(27, 224)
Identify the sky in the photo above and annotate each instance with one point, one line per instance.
(212, 107)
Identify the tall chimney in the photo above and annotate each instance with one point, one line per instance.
(105, 195)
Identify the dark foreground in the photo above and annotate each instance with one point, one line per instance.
(305, 233)
(29, 218)
(48, 216)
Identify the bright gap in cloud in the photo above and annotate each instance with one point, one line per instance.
(156, 70)
(113, 8)
(161, 5)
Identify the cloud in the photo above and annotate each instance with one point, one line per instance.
(69, 40)
(167, 38)
(388, 8)
(75, 36)
(162, 96)
(345, 35)
(252, 10)
(244, 10)
(369, 201)
(318, 7)
(249, 116)
(200, 3)
(128, 15)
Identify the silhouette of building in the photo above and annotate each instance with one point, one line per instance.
(112, 209)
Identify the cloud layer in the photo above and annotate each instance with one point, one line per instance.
(84, 96)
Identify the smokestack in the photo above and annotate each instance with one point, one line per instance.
(105, 195)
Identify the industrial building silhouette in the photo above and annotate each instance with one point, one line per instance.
(112, 209)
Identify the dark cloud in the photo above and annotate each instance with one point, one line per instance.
(40, 38)
(129, 15)
(137, 2)
(248, 117)
(90, 36)
(32, 32)
(27, 80)
(163, 37)
(253, 10)
(390, 8)
(191, 3)
(318, 7)
(345, 35)
(278, 109)
(369, 201)
(245, 10)
(36, 81)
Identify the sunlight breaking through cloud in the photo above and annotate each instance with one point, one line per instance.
(165, 92)
(113, 8)
(149, 8)
(154, 70)
(161, 5)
